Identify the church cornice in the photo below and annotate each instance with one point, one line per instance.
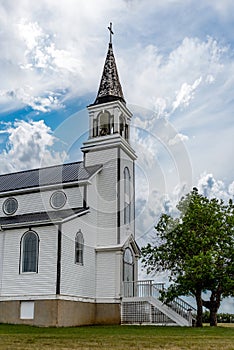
(110, 105)
(41, 218)
(108, 141)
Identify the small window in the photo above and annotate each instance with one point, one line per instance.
(127, 196)
(79, 248)
(10, 206)
(29, 252)
(58, 199)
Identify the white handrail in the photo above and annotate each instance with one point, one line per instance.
(147, 288)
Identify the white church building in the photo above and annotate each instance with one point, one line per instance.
(67, 232)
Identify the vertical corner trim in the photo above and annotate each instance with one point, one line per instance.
(85, 197)
(118, 194)
(58, 282)
(134, 199)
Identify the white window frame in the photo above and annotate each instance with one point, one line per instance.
(23, 253)
(79, 248)
(5, 203)
(52, 198)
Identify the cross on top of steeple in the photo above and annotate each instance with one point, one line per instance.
(111, 32)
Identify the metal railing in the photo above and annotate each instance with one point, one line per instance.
(147, 288)
(141, 289)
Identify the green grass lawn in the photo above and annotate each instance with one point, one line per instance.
(116, 337)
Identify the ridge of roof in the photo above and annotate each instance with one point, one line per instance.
(42, 168)
(47, 176)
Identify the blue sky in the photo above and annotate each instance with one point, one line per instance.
(176, 64)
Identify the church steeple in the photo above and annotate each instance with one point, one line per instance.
(109, 115)
(110, 88)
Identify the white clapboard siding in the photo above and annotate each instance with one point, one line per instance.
(40, 201)
(92, 203)
(107, 203)
(78, 280)
(102, 156)
(106, 275)
(15, 283)
(2, 253)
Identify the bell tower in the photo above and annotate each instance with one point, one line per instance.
(107, 116)
(109, 144)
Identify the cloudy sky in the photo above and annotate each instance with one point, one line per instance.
(176, 64)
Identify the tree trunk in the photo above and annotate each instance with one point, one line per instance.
(215, 300)
(213, 305)
(199, 309)
(213, 316)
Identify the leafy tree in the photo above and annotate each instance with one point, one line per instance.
(197, 249)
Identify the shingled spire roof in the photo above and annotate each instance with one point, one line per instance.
(110, 88)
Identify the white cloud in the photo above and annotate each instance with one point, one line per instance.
(212, 188)
(51, 47)
(29, 146)
(185, 94)
(164, 82)
(41, 51)
(60, 48)
(145, 146)
(26, 96)
(152, 201)
(178, 138)
(31, 33)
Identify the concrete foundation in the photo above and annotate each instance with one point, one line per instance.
(61, 313)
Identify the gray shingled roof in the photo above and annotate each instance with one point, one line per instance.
(58, 174)
(37, 218)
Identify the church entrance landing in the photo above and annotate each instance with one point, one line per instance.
(141, 305)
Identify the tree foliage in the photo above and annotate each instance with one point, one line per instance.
(197, 248)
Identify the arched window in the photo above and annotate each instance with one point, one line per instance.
(127, 196)
(128, 273)
(126, 132)
(121, 126)
(104, 123)
(29, 251)
(79, 248)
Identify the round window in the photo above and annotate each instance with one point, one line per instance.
(10, 206)
(58, 199)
